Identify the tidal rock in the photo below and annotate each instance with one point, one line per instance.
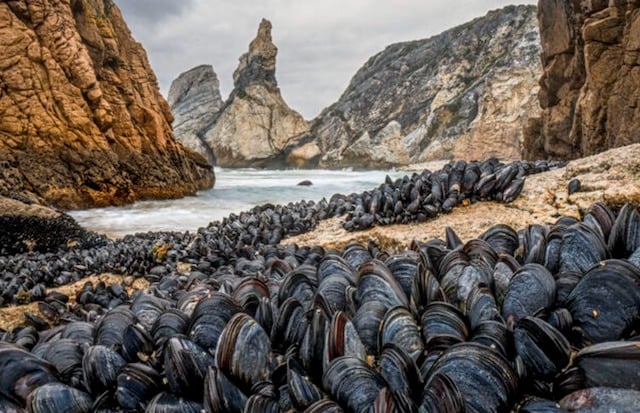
(590, 58)
(32, 227)
(194, 98)
(256, 128)
(462, 94)
(83, 122)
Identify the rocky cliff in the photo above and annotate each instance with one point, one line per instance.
(82, 122)
(462, 94)
(590, 88)
(194, 99)
(255, 127)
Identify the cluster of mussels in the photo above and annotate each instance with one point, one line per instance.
(545, 319)
(425, 195)
(23, 277)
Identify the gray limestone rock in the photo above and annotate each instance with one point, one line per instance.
(462, 94)
(194, 98)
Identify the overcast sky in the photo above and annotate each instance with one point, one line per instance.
(321, 43)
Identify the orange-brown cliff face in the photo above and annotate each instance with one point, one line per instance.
(590, 89)
(82, 122)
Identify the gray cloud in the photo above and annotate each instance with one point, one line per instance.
(320, 44)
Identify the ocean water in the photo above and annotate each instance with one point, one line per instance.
(235, 190)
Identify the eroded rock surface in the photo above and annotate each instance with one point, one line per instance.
(82, 122)
(463, 94)
(194, 99)
(256, 128)
(591, 83)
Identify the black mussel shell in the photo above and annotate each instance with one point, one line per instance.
(57, 398)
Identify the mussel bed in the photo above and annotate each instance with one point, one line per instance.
(543, 319)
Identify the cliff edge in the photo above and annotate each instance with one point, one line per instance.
(82, 122)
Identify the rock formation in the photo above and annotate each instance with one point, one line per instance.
(30, 227)
(194, 99)
(462, 94)
(82, 122)
(255, 127)
(590, 88)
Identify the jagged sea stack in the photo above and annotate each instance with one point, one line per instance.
(194, 99)
(82, 121)
(590, 88)
(462, 94)
(255, 127)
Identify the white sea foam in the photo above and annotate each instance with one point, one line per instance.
(235, 190)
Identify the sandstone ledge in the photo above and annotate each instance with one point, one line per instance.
(612, 177)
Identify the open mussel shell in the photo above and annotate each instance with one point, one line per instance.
(137, 383)
(542, 348)
(100, 367)
(244, 351)
(485, 380)
(170, 403)
(352, 383)
(21, 372)
(57, 398)
(399, 327)
(185, 366)
(532, 289)
(221, 395)
(605, 303)
(602, 399)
